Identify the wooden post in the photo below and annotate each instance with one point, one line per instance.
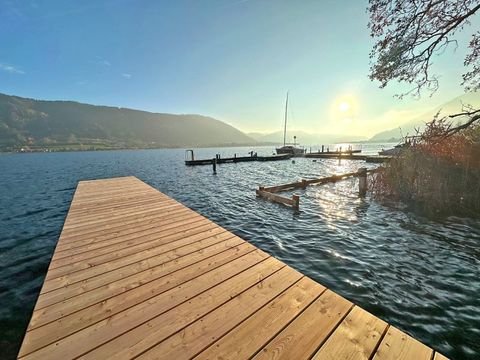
(304, 184)
(296, 202)
(214, 163)
(323, 146)
(362, 181)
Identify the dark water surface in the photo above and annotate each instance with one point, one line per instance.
(420, 275)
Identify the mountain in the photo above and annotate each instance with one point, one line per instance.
(66, 125)
(304, 138)
(410, 126)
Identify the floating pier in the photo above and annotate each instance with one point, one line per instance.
(349, 156)
(236, 159)
(136, 274)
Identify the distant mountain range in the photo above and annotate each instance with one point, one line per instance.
(36, 125)
(68, 125)
(410, 126)
(304, 138)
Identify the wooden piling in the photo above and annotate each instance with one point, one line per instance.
(214, 164)
(296, 202)
(362, 181)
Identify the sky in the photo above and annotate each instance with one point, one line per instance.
(230, 59)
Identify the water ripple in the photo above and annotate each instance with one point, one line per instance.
(420, 275)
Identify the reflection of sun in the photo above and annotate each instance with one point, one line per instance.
(344, 106)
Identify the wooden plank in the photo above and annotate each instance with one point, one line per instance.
(302, 338)
(89, 193)
(155, 243)
(252, 334)
(171, 252)
(151, 202)
(252, 291)
(303, 183)
(284, 187)
(275, 198)
(130, 303)
(400, 346)
(97, 249)
(356, 338)
(112, 328)
(78, 243)
(139, 216)
(169, 278)
(150, 219)
(110, 213)
(78, 211)
(96, 205)
(101, 199)
(439, 356)
(136, 274)
(164, 261)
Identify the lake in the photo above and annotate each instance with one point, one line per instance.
(421, 275)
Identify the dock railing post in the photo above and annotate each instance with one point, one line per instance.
(362, 181)
(304, 184)
(214, 163)
(296, 202)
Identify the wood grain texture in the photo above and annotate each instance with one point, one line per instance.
(136, 274)
(355, 338)
(307, 332)
(400, 346)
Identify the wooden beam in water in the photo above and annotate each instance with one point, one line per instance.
(293, 202)
(305, 182)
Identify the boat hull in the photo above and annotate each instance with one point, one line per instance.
(290, 150)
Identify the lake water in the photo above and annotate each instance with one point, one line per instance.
(421, 275)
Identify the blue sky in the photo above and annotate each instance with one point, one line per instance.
(230, 59)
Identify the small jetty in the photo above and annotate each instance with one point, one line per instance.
(348, 156)
(135, 274)
(190, 158)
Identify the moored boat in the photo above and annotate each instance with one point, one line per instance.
(291, 149)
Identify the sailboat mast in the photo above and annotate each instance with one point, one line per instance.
(285, 126)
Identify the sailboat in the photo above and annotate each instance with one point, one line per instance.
(291, 149)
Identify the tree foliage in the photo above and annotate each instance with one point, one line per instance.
(409, 32)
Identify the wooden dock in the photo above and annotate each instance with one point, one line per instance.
(349, 156)
(237, 159)
(136, 274)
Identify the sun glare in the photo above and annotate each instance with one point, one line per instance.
(344, 106)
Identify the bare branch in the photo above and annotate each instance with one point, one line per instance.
(409, 33)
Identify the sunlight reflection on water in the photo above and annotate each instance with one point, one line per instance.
(421, 275)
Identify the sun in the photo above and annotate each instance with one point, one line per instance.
(344, 109)
(344, 106)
